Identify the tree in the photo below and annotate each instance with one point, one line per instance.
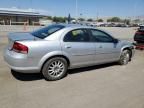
(100, 20)
(137, 20)
(59, 19)
(90, 20)
(126, 21)
(55, 19)
(81, 19)
(49, 17)
(114, 19)
(108, 20)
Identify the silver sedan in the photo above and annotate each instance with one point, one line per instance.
(54, 49)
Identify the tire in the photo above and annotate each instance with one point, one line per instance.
(125, 57)
(55, 69)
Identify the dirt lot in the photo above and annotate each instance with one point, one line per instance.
(104, 86)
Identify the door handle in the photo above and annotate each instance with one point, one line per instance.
(100, 47)
(67, 46)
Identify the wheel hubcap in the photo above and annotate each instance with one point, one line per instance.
(56, 68)
(125, 57)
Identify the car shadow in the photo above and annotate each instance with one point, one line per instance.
(95, 67)
(27, 77)
(39, 76)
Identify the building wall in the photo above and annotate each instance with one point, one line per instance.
(17, 20)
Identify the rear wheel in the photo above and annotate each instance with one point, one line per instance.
(125, 57)
(55, 69)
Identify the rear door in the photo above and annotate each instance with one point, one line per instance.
(106, 49)
(77, 45)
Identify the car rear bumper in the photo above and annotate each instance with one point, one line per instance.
(20, 62)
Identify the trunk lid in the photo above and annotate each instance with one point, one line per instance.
(12, 37)
(20, 36)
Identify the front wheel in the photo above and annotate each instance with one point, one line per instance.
(55, 69)
(125, 57)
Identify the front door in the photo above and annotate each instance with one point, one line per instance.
(106, 49)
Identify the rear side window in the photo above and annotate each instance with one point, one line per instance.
(78, 35)
(45, 32)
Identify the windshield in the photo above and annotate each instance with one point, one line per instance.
(46, 31)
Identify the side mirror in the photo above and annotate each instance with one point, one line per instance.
(115, 40)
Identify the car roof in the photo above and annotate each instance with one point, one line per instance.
(74, 26)
(77, 26)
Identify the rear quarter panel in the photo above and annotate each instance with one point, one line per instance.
(40, 50)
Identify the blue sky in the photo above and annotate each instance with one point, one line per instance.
(88, 8)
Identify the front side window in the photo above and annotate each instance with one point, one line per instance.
(78, 35)
(99, 36)
(45, 32)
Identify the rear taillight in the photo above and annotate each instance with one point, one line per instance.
(20, 48)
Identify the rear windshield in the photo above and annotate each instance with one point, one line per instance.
(46, 31)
